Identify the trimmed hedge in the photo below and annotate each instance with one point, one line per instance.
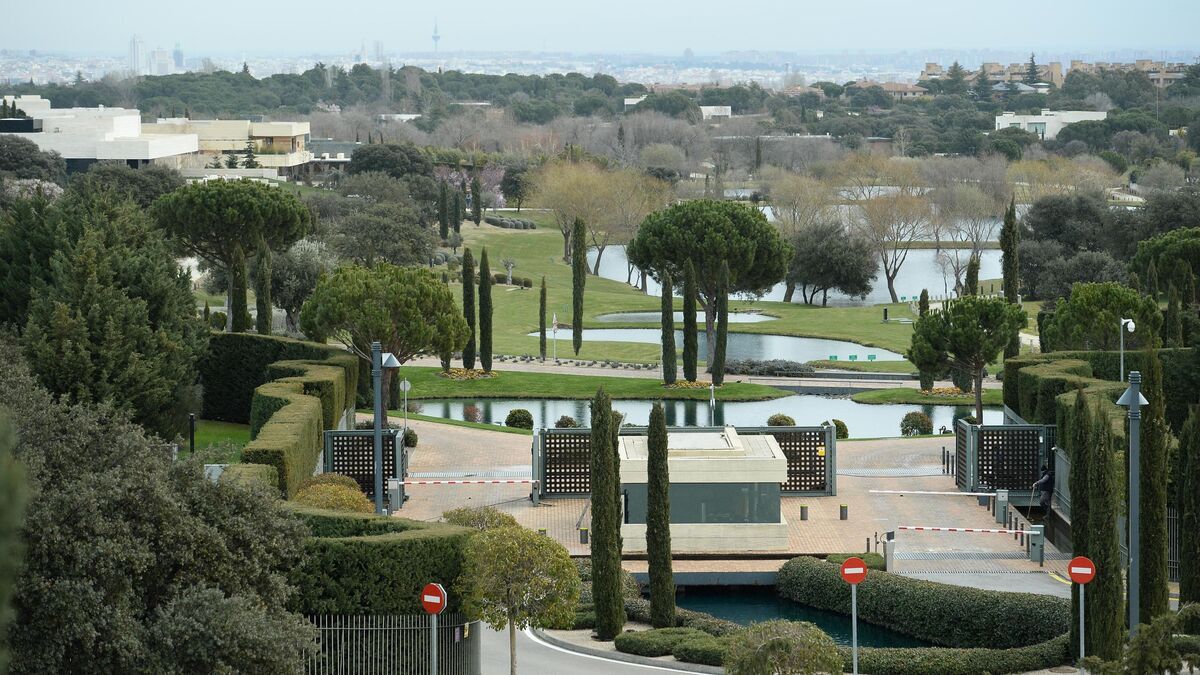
(326, 382)
(335, 497)
(950, 616)
(289, 432)
(706, 650)
(940, 661)
(366, 564)
(637, 608)
(656, 641)
(252, 474)
(874, 561)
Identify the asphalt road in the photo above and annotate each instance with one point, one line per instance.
(537, 658)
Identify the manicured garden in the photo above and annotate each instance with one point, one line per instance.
(911, 395)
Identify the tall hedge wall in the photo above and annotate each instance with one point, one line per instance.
(366, 564)
(290, 425)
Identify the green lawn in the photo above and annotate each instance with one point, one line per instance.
(866, 366)
(427, 383)
(228, 436)
(398, 414)
(910, 395)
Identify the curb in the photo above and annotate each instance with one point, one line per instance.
(627, 658)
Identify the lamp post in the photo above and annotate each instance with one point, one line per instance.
(1133, 400)
(379, 361)
(1126, 325)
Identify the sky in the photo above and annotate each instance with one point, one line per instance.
(299, 27)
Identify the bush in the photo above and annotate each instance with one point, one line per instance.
(290, 438)
(472, 413)
(874, 561)
(519, 418)
(217, 320)
(485, 518)
(637, 608)
(329, 479)
(252, 474)
(527, 283)
(791, 647)
(655, 642)
(769, 368)
(939, 661)
(706, 650)
(916, 423)
(566, 422)
(410, 438)
(780, 420)
(334, 497)
(951, 616)
(840, 429)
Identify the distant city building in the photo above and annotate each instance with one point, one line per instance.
(137, 56)
(436, 36)
(1161, 73)
(282, 146)
(161, 62)
(1047, 124)
(177, 58)
(84, 136)
(379, 50)
(1050, 73)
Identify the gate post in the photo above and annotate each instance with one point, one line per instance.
(831, 459)
(889, 555)
(1037, 543)
(1001, 511)
(535, 468)
(972, 457)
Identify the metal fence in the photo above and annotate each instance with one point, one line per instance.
(393, 645)
(352, 453)
(1172, 544)
(1002, 457)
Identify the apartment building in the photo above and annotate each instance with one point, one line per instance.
(1048, 123)
(1050, 73)
(282, 146)
(1161, 73)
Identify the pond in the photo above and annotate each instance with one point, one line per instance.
(919, 271)
(748, 345)
(863, 420)
(655, 317)
(747, 604)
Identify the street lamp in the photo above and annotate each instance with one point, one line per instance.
(1133, 400)
(379, 361)
(1126, 325)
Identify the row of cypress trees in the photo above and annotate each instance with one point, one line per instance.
(451, 210)
(689, 326)
(482, 349)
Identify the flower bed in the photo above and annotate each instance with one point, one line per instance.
(464, 374)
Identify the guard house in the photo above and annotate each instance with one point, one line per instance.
(725, 491)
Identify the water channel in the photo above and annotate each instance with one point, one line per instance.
(749, 345)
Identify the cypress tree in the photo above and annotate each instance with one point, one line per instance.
(1080, 448)
(476, 200)
(485, 312)
(1152, 281)
(658, 522)
(668, 330)
(923, 304)
(468, 296)
(971, 282)
(443, 211)
(262, 290)
(578, 281)
(207, 312)
(689, 322)
(239, 313)
(605, 542)
(1106, 592)
(1187, 284)
(717, 367)
(1187, 492)
(1154, 466)
(1172, 327)
(456, 211)
(542, 320)
(1010, 238)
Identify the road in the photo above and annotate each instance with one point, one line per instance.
(535, 656)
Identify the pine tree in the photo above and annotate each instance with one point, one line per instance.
(1106, 592)
(476, 200)
(955, 81)
(1172, 327)
(690, 350)
(262, 290)
(923, 304)
(605, 540)
(717, 367)
(443, 211)
(1010, 238)
(1187, 492)
(971, 281)
(231, 162)
(578, 281)
(668, 330)
(1152, 281)
(983, 85)
(250, 161)
(1032, 76)
(1156, 439)
(239, 313)
(485, 312)
(468, 296)
(1079, 445)
(658, 522)
(542, 320)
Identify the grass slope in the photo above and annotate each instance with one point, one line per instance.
(909, 395)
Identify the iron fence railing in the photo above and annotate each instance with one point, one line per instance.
(393, 645)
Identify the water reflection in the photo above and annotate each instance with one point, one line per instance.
(752, 345)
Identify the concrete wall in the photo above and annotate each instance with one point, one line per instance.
(713, 538)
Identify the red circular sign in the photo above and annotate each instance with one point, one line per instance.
(854, 570)
(433, 598)
(1081, 570)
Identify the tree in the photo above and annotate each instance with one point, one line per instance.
(606, 525)
(965, 216)
(476, 199)
(571, 191)
(716, 365)
(262, 291)
(22, 159)
(1080, 449)
(827, 258)
(542, 320)
(631, 196)
(955, 82)
(386, 232)
(250, 161)
(1172, 329)
(398, 160)
(966, 334)
(408, 310)
(211, 220)
(1010, 238)
(231, 161)
(689, 322)
(1156, 442)
(971, 281)
(780, 647)
(890, 223)
(578, 281)
(798, 202)
(515, 185)
(294, 275)
(485, 312)
(982, 87)
(239, 312)
(707, 233)
(668, 330)
(443, 211)
(12, 506)
(143, 185)
(1090, 318)
(516, 577)
(31, 231)
(923, 304)
(658, 522)
(1032, 76)
(1105, 593)
(468, 303)
(456, 211)
(1187, 491)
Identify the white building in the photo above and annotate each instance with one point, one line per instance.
(86, 135)
(1048, 123)
(282, 146)
(631, 102)
(137, 56)
(710, 112)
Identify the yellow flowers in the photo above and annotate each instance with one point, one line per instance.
(464, 374)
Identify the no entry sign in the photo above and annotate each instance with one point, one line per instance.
(1081, 570)
(854, 570)
(433, 598)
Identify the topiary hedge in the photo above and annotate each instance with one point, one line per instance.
(519, 418)
(335, 497)
(706, 650)
(367, 564)
(941, 661)
(656, 641)
(950, 616)
(289, 432)
(326, 382)
(252, 474)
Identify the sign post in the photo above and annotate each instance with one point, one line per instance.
(1082, 570)
(854, 571)
(554, 330)
(433, 599)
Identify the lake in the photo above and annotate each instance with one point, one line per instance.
(656, 317)
(747, 345)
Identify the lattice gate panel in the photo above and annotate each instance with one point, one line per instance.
(807, 471)
(1009, 459)
(960, 454)
(567, 463)
(354, 456)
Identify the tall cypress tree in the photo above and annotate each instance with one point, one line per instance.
(668, 330)
(1154, 467)
(658, 522)
(1187, 492)
(971, 280)
(262, 290)
(542, 320)
(1172, 327)
(443, 211)
(1079, 444)
(456, 211)
(476, 200)
(923, 304)
(485, 312)
(1106, 592)
(605, 542)
(1152, 281)
(717, 367)
(689, 322)
(468, 296)
(1010, 238)
(578, 281)
(239, 313)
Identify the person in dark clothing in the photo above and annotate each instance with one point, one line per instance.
(1046, 485)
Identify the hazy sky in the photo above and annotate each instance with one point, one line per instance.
(301, 27)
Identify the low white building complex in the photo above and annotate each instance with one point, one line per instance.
(282, 146)
(1047, 124)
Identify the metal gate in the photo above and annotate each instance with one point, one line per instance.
(1002, 457)
(393, 645)
(352, 453)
